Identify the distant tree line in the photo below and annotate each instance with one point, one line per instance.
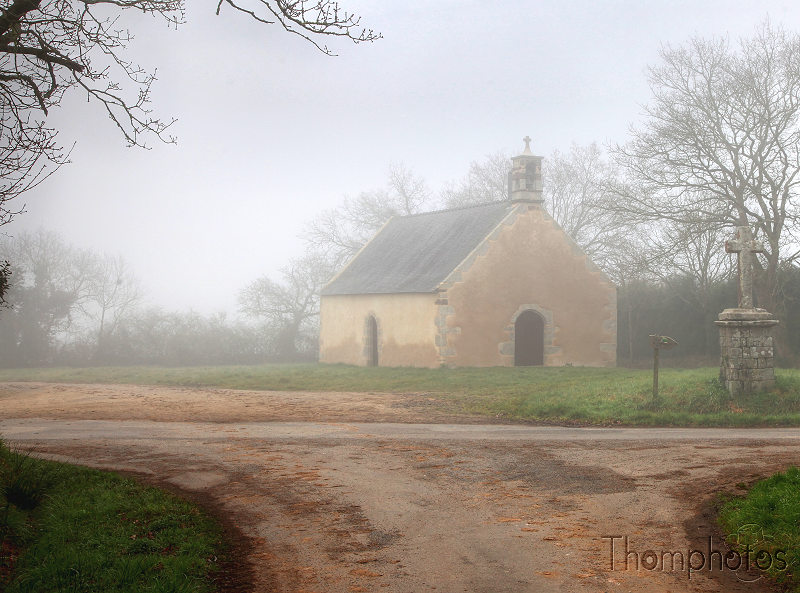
(71, 307)
(67, 306)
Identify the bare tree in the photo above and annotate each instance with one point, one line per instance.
(692, 251)
(290, 307)
(687, 258)
(340, 232)
(720, 145)
(310, 19)
(576, 196)
(486, 181)
(48, 47)
(575, 193)
(62, 295)
(44, 258)
(5, 280)
(49, 283)
(112, 294)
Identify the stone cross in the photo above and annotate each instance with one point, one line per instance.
(745, 246)
(527, 141)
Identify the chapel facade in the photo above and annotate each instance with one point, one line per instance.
(498, 284)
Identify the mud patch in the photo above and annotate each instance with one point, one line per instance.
(678, 473)
(732, 479)
(703, 531)
(198, 480)
(544, 473)
(378, 539)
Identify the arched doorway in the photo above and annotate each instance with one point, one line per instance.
(529, 339)
(372, 341)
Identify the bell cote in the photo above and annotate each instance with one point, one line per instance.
(525, 177)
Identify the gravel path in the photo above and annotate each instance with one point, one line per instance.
(376, 493)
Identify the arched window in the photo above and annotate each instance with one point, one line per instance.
(529, 339)
(372, 341)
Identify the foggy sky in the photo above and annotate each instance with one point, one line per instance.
(271, 131)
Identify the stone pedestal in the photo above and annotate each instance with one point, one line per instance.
(746, 345)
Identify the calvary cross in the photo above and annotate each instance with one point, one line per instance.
(745, 246)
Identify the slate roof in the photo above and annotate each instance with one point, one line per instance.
(416, 253)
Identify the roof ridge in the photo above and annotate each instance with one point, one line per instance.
(456, 208)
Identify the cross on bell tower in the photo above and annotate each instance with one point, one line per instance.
(525, 177)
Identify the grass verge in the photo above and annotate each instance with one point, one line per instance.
(578, 395)
(67, 528)
(765, 526)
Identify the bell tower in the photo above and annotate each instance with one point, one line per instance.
(525, 177)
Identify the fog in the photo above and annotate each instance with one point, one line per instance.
(271, 131)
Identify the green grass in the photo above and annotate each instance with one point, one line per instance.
(765, 524)
(605, 396)
(80, 530)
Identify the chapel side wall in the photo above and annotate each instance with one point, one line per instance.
(529, 262)
(406, 329)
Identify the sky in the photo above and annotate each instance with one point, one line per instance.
(271, 131)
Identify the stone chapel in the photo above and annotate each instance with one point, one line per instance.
(497, 284)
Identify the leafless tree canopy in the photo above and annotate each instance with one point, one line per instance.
(576, 196)
(289, 307)
(112, 294)
(340, 232)
(73, 306)
(486, 181)
(48, 47)
(720, 144)
(5, 280)
(310, 20)
(575, 193)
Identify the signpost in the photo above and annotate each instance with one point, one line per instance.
(659, 343)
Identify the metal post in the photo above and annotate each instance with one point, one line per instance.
(655, 374)
(658, 343)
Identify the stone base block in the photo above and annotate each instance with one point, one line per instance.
(747, 350)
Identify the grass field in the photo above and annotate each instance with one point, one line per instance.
(571, 395)
(67, 528)
(765, 525)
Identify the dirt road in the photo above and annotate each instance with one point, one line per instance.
(353, 492)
